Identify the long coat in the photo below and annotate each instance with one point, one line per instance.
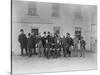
(22, 40)
(44, 41)
(68, 42)
(31, 42)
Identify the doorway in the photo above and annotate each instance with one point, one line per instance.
(36, 31)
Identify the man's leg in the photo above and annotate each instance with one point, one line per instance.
(26, 51)
(21, 50)
(81, 52)
(59, 52)
(68, 51)
(49, 52)
(44, 53)
(45, 50)
(84, 50)
(30, 52)
(35, 50)
(40, 51)
(64, 51)
(56, 51)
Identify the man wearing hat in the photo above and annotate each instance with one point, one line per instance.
(23, 41)
(33, 39)
(82, 46)
(67, 44)
(44, 38)
(48, 44)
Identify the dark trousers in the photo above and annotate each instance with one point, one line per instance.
(49, 48)
(30, 51)
(57, 50)
(66, 51)
(48, 53)
(46, 50)
(44, 53)
(34, 49)
(53, 53)
(22, 50)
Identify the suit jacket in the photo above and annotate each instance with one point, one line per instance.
(68, 41)
(44, 41)
(22, 40)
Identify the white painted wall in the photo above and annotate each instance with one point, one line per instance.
(67, 20)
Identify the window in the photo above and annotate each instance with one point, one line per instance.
(55, 9)
(32, 9)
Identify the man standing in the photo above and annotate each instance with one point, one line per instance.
(33, 39)
(29, 45)
(23, 41)
(48, 44)
(44, 38)
(76, 42)
(82, 46)
(67, 44)
(39, 45)
(49, 37)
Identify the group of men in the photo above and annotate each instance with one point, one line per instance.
(47, 45)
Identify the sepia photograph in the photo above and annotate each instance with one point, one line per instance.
(52, 37)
